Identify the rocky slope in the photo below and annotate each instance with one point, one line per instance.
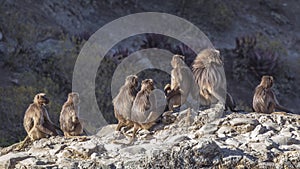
(237, 140)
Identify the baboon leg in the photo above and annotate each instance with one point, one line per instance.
(219, 98)
(125, 133)
(135, 129)
(52, 128)
(120, 125)
(22, 144)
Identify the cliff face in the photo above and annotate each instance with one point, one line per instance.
(236, 140)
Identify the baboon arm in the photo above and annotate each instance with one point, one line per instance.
(173, 93)
(39, 125)
(64, 123)
(44, 130)
(186, 81)
(216, 95)
(47, 119)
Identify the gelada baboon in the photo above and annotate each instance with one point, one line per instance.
(69, 120)
(209, 75)
(264, 100)
(36, 120)
(181, 83)
(124, 100)
(144, 112)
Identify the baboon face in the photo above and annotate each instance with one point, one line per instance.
(214, 57)
(267, 81)
(41, 99)
(74, 97)
(177, 61)
(147, 84)
(167, 89)
(132, 80)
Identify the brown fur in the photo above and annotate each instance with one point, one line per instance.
(264, 100)
(69, 120)
(36, 120)
(124, 100)
(141, 106)
(181, 83)
(173, 97)
(209, 75)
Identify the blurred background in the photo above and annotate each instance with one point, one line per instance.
(40, 41)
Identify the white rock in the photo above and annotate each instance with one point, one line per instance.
(224, 130)
(271, 125)
(208, 128)
(177, 138)
(293, 147)
(243, 121)
(258, 147)
(284, 140)
(94, 156)
(232, 141)
(7, 159)
(133, 150)
(280, 120)
(259, 129)
(107, 130)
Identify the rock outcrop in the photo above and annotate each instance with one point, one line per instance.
(237, 140)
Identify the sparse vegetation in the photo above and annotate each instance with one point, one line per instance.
(256, 56)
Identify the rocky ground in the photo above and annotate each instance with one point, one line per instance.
(237, 140)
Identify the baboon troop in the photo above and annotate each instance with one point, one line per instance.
(38, 124)
(264, 100)
(69, 120)
(138, 109)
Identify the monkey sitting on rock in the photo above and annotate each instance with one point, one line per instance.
(124, 100)
(209, 75)
(69, 120)
(37, 122)
(181, 83)
(264, 100)
(146, 109)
